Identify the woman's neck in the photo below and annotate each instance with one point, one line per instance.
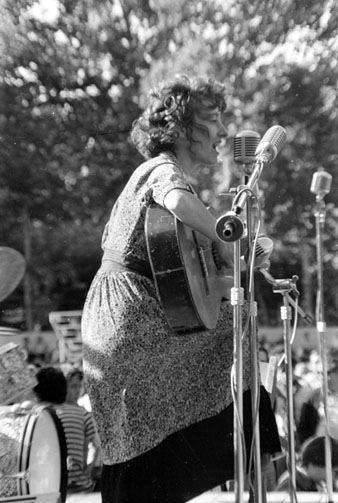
(187, 164)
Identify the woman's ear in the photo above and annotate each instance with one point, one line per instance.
(182, 133)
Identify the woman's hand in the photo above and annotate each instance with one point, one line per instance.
(225, 251)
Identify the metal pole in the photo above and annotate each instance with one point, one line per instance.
(286, 317)
(258, 493)
(284, 286)
(321, 330)
(237, 300)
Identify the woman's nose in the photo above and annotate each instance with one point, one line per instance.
(223, 132)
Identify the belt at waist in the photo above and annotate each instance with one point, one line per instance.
(114, 261)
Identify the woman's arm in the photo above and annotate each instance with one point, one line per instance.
(191, 211)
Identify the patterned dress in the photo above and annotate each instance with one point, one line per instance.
(146, 381)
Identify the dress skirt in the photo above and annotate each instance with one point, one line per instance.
(189, 462)
(162, 400)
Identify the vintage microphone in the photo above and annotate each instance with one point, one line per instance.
(320, 186)
(229, 227)
(263, 250)
(245, 145)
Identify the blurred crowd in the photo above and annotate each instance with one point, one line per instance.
(61, 386)
(38, 351)
(314, 417)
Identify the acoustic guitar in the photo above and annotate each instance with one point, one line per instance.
(190, 280)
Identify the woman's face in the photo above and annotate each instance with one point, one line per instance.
(207, 135)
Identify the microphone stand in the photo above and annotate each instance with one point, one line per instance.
(284, 287)
(230, 227)
(237, 301)
(321, 330)
(273, 281)
(258, 495)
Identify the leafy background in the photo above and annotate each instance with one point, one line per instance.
(73, 78)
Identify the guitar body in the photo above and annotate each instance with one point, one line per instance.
(189, 283)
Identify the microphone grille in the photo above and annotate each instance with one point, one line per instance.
(276, 135)
(272, 143)
(245, 144)
(263, 250)
(321, 183)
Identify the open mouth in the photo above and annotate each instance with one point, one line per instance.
(218, 145)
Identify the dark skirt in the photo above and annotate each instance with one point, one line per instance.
(189, 462)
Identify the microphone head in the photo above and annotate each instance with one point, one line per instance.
(245, 144)
(263, 250)
(321, 183)
(272, 143)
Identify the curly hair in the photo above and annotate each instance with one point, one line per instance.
(170, 108)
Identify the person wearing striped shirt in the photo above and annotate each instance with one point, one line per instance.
(77, 423)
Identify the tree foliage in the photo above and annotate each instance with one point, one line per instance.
(74, 78)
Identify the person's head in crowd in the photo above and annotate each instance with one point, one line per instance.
(51, 386)
(74, 377)
(332, 373)
(263, 354)
(304, 355)
(313, 457)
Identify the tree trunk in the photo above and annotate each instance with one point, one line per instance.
(27, 282)
(306, 278)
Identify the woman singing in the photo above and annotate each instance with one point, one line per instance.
(161, 398)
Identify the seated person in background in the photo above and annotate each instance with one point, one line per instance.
(312, 417)
(311, 475)
(78, 427)
(74, 377)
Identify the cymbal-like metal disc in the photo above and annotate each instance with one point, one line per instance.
(12, 270)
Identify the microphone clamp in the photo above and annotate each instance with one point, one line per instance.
(229, 227)
(287, 285)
